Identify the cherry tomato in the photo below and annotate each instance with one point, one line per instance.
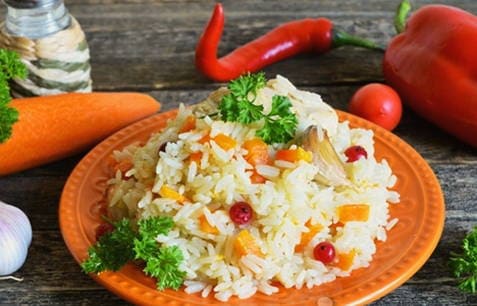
(324, 252)
(377, 103)
(241, 213)
(354, 153)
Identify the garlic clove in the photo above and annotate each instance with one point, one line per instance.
(15, 238)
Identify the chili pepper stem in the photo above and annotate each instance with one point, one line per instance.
(401, 16)
(341, 38)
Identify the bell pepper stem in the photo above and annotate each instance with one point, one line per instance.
(401, 16)
(341, 38)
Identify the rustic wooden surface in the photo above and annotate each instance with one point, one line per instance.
(148, 46)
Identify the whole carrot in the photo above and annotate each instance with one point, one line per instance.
(54, 127)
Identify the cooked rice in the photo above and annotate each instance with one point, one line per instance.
(282, 205)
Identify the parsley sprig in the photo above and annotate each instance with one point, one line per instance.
(464, 265)
(123, 244)
(112, 250)
(238, 106)
(10, 67)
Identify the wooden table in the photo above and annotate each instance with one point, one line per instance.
(148, 46)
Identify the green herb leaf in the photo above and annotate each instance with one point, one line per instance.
(152, 227)
(10, 67)
(281, 106)
(123, 244)
(145, 246)
(247, 84)
(112, 251)
(161, 263)
(280, 123)
(228, 108)
(165, 267)
(464, 265)
(8, 116)
(278, 131)
(248, 112)
(238, 106)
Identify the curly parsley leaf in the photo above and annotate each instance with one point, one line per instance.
(248, 112)
(464, 265)
(123, 244)
(228, 108)
(280, 123)
(152, 227)
(10, 67)
(247, 84)
(112, 251)
(165, 267)
(238, 106)
(281, 106)
(145, 245)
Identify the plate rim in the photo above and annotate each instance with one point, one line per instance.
(115, 282)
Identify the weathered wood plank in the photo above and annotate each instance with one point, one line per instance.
(261, 6)
(157, 50)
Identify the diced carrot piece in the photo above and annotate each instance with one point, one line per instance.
(345, 260)
(206, 138)
(287, 155)
(256, 178)
(257, 152)
(206, 227)
(245, 244)
(225, 142)
(189, 124)
(195, 157)
(294, 155)
(334, 226)
(353, 212)
(308, 236)
(124, 165)
(168, 192)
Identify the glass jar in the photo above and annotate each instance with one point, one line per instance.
(52, 45)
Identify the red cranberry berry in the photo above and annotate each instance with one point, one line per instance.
(103, 228)
(241, 213)
(355, 152)
(324, 252)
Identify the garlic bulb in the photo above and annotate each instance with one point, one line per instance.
(15, 238)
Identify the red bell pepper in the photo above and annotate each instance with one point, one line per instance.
(433, 66)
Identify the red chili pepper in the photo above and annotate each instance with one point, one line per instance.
(289, 39)
(433, 66)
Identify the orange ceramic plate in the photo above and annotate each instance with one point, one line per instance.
(409, 244)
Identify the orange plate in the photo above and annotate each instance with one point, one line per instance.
(410, 243)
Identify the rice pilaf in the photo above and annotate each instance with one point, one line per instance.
(196, 174)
